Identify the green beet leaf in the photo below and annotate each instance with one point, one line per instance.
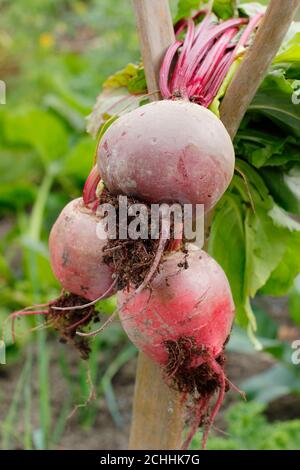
(284, 185)
(39, 129)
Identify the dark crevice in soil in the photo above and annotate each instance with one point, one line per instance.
(201, 380)
(198, 376)
(284, 408)
(131, 259)
(67, 322)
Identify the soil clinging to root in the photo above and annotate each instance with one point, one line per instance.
(197, 384)
(131, 259)
(185, 378)
(66, 322)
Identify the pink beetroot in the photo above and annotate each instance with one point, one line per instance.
(76, 253)
(168, 151)
(182, 322)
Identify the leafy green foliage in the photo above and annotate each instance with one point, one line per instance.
(264, 248)
(77, 161)
(185, 8)
(38, 129)
(53, 63)
(248, 429)
(283, 184)
(254, 240)
(131, 77)
(222, 8)
(268, 148)
(282, 278)
(294, 301)
(228, 231)
(274, 100)
(251, 8)
(259, 250)
(276, 382)
(122, 91)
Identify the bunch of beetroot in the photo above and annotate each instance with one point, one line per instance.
(176, 151)
(174, 300)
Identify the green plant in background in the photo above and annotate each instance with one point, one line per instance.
(42, 133)
(282, 378)
(54, 65)
(248, 429)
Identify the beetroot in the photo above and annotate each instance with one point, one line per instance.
(183, 322)
(76, 253)
(168, 151)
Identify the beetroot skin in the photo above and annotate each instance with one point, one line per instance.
(194, 302)
(168, 151)
(183, 323)
(76, 252)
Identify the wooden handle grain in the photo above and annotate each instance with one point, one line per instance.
(156, 34)
(156, 418)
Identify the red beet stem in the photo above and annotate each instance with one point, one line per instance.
(15, 315)
(89, 304)
(89, 190)
(205, 58)
(180, 79)
(179, 27)
(207, 20)
(211, 61)
(165, 70)
(200, 412)
(213, 86)
(222, 384)
(79, 322)
(99, 330)
(188, 42)
(210, 34)
(181, 24)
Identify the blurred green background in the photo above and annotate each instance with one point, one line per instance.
(54, 56)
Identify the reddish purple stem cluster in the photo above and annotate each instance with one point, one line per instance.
(90, 187)
(195, 68)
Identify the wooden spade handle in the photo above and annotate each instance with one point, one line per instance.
(157, 420)
(156, 34)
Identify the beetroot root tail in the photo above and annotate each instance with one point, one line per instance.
(89, 304)
(222, 388)
(200, 413)
(163, 240)
(99, 330)
(203, 406)
(22, 313)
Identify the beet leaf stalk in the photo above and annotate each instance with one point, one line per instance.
(195, 68)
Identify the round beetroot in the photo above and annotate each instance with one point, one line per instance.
(168, 151)
(182, 322)
(76, 252)
(190, 297)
